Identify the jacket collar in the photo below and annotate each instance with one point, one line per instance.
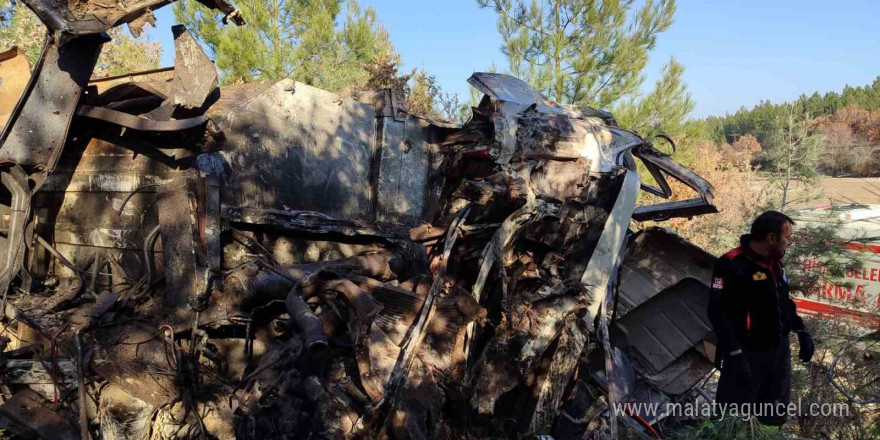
(762, 261)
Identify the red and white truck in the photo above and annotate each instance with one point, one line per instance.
(855, 298)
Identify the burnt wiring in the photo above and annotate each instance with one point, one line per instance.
(132, 193)
(251, 242)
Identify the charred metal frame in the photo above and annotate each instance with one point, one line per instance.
(661, 165)
(192, 216)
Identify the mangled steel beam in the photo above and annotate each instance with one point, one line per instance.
(89, 18)
(656, 162)
(37, 128)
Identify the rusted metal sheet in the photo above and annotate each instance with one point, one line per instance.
(657, 260)
(186, 270)
(292, 146)
(663, 328)
(161, 75)
(82, 204)
(404, 170)
(195, 76)
(14, 75)
(90, 18)
(29, 415)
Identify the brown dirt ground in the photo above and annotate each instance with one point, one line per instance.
(836, 191)
(851, 190)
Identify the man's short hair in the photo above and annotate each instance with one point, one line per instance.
(770, 222)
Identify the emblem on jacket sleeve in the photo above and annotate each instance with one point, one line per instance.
(717, 283)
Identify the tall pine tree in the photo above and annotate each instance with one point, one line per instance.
(663, 110)
(302, 39)
(593, 53)
(580, 52)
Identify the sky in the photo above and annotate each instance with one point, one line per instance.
(736, 53)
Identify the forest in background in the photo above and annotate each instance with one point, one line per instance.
(847, 123)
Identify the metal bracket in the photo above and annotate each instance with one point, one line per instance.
(660, 165)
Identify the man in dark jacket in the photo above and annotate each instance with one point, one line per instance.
(752, 315)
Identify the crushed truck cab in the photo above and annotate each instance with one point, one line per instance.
(271, 259)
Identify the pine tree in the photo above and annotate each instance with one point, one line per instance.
(580, 52)
(589, 53)
(298, 39)
(663, 110)
(793, 152)
(422, 96)
(818, 255)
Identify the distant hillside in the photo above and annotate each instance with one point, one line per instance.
(760, 121)
(842, 131)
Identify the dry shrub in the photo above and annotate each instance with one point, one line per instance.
(740, 153)
(856, 370)
(739, 196)
(852, 142)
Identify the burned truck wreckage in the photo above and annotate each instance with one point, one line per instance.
(270, 260)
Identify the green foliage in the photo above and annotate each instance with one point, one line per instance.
(792, 151)
(300, 39)
(593, 54)
(20, 27)
(452, 109)
(872, 429)
(123, 54)
(580, 52)
(663, 110)
(856, 370)
(423, 94)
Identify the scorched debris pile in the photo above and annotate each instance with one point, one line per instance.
(271, 260)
